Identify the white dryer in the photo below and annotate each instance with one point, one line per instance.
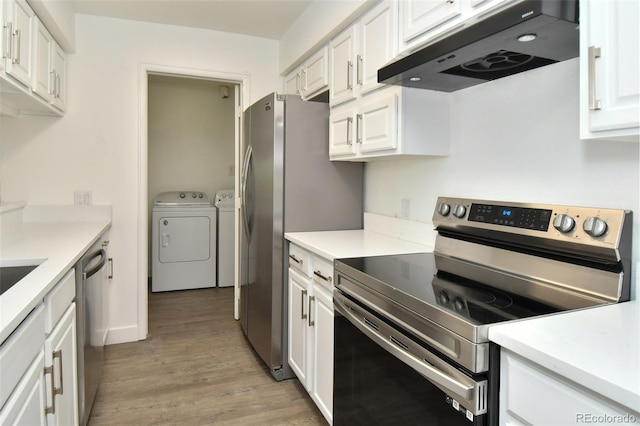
(225, 202)
(183, 246)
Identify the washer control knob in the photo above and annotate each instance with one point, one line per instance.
(444, 297)
(444, 209)
(182, 195)
(594, 226)
(564, 223)
(459, 211)
(458, 304)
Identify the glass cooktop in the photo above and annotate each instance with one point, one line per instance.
(413, 280)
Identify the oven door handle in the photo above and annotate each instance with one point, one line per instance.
(428, 371)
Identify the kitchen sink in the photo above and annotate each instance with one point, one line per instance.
(12, 271)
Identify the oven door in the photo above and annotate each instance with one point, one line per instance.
(383, 376)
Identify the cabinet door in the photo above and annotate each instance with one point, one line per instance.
(60, 356)
(42, 62)
(298, 328)
(27, 402)
(59, 80)
(377, 122)
(610, 65)
(420, 16)
(322, 390)
(342, 63)
(378, 44)
(315, 73)
(341, 130)
(292, 83)
(18, 22)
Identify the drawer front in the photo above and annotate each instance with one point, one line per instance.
(323, 272)
(19, 350)
(300, 259)
(58, 300)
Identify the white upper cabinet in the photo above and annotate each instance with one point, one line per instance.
(394, 121)
(16, 47)
(33, 66)
(357, 53)
(311, 78)
(609, 69)
(422, 21)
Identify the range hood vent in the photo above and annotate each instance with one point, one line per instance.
(527, 35)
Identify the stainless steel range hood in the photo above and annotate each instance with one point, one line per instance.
(492, 48)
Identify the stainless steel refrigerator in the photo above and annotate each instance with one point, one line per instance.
(288, 185)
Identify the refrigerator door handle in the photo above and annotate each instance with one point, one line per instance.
(248, 158)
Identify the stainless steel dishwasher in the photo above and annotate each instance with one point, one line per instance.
(92, 325)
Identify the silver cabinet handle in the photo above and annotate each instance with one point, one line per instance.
(594, 53)
(359, 128)
(349, 70)
(311, 300)
(319, 274)
(60, 390)
(16, 58)
(304, 79)
(110, 276)
(359, 69)
(297, 83)
(295, 259)
(52, 409)
(349, 125)
(302, 314)
(52, 83)
(58, 86)
(8, 33)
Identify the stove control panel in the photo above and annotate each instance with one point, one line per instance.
(583, 225)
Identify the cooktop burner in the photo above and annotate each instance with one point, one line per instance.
(414, 279)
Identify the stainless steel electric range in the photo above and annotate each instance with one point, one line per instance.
(411, 331)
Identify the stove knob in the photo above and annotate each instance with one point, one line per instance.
(459, 211)
(458, 304)
(200, 195)
(594, 226)
(182, 195)
(563, 223)
(444, 297)
(194, 195)
(444, 209)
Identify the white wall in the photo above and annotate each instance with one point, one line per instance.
(514, 139)
(95, 145)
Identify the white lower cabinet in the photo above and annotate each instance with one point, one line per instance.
(533, 395)
(38, 363)
(310, 332)
(390, 122)
(61, 372)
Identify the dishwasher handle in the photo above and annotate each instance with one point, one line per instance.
(103, 259)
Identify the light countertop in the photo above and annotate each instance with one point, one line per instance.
(57, 244)
(353, 243)
(597, 348)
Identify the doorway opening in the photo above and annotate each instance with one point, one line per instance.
(189, 141)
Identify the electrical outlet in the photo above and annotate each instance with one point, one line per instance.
(405, 208)
(82, 198)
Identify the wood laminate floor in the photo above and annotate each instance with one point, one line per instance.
(196, 368)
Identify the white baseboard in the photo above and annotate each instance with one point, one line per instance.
(123, 335)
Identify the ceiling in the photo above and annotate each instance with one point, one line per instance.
(260, 18)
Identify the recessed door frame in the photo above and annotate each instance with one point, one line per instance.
(242, 98)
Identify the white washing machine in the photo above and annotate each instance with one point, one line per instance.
(183, 246)
(225, 202)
